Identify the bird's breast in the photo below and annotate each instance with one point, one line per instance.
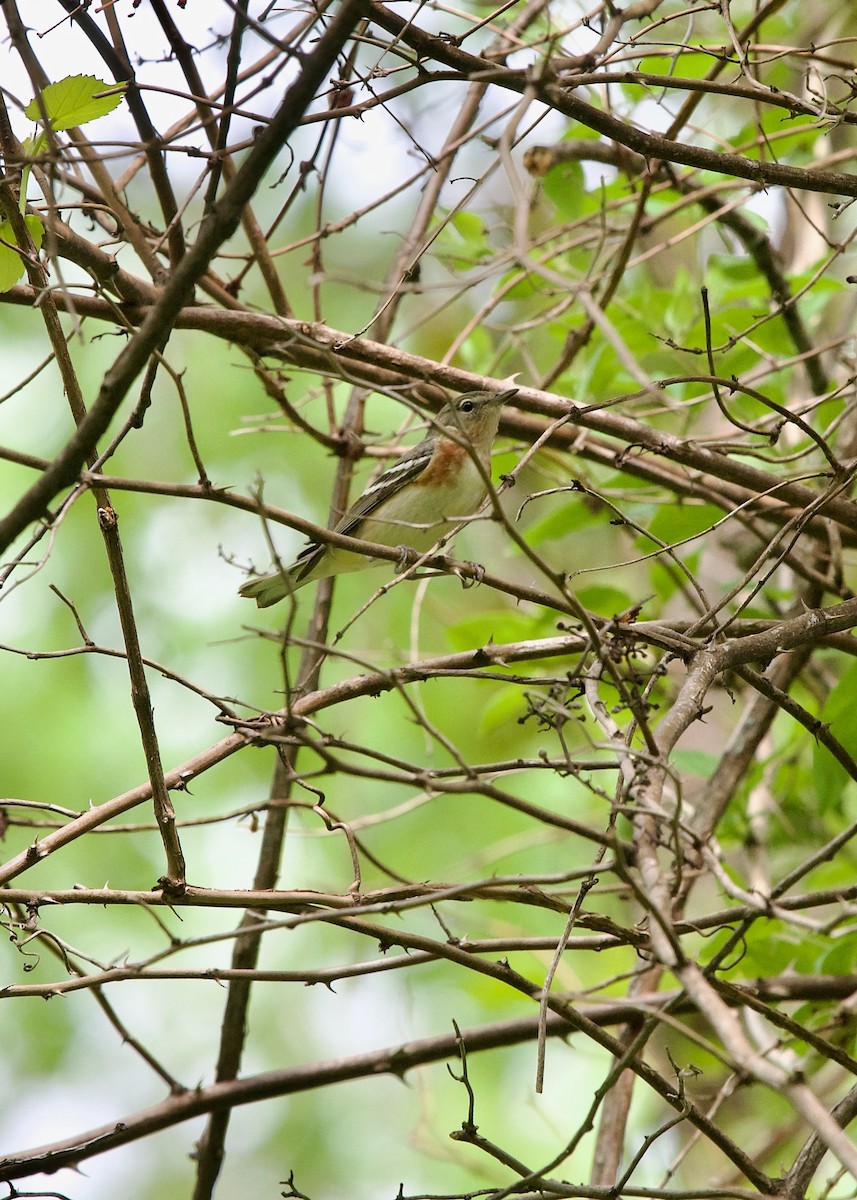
(452, 480)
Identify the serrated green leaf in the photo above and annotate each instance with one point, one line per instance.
(74, 101)
(11, 263)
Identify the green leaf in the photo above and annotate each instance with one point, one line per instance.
(474, 353)
(74, 101)
(663, 581)
(682, 304)
(474, 236)
(526, 287)
(605, 600)
(735, 268)
(841, 958)
(694, 65)
(500, 711)
(564, 187)
(767, 949)
(32, 148)
(700, 763)
(837, 712)
(35, 145)
(11, 263)
(676, 522)
(463, 240)
(554, 517)
(500, 625)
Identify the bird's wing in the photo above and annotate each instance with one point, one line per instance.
(403, 471)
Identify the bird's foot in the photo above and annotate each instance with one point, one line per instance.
(469, 581)
(407, 557)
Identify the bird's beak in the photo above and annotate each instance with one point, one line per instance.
(502, 397)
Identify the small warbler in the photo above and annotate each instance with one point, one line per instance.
(414, 502)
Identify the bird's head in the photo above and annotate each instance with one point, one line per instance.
(475, 415)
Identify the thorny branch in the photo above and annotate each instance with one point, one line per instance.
(528, 796)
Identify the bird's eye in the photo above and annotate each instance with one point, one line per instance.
(466, 406)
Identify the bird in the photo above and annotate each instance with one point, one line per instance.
(422, 495)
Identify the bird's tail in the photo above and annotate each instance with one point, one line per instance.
(269, 589)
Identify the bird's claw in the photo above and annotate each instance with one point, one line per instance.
(478, 574)
(407, 557)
